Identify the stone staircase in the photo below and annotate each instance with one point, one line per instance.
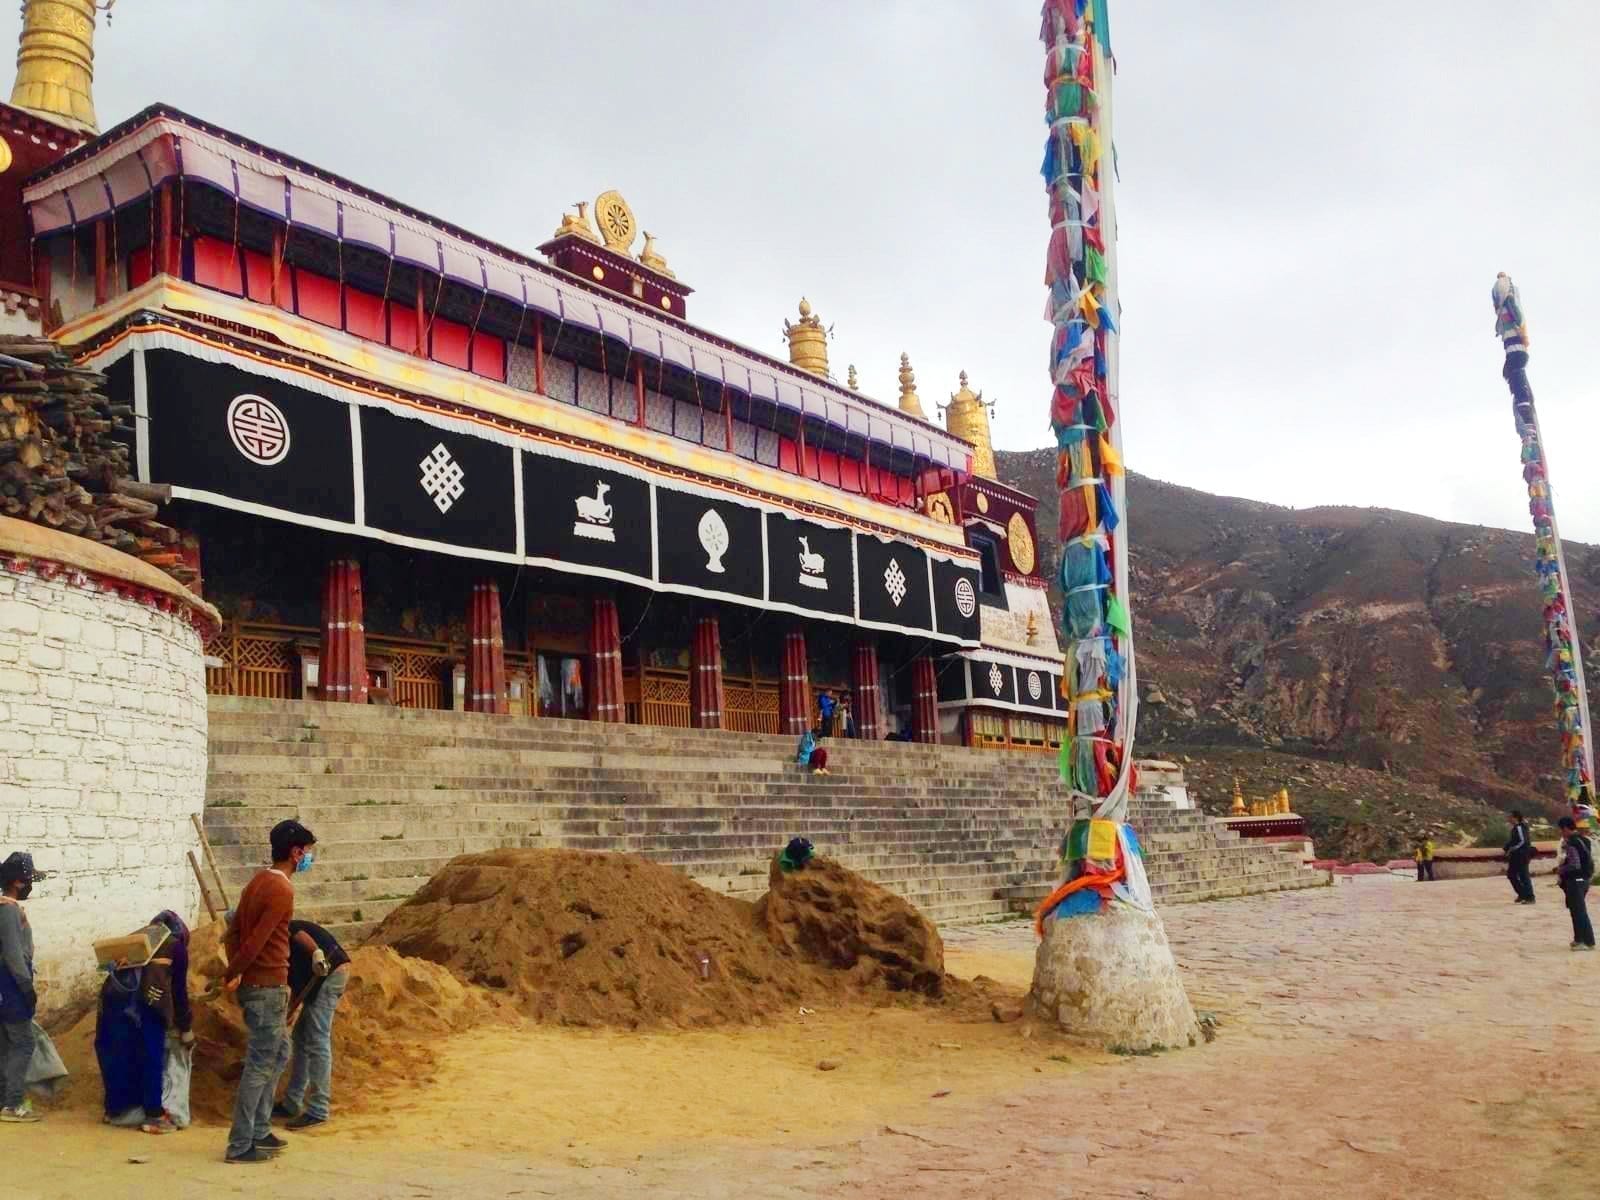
(394, 794)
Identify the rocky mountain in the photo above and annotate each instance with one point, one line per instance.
(1401, 644)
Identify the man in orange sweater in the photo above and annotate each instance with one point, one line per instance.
(257, 942)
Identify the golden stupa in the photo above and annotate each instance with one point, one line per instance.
(55, 62)
(967, 416)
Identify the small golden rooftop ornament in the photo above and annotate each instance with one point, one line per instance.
(910, 402)
(577, 225)
(649, 257)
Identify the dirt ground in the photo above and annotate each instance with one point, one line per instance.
(1379, 1039)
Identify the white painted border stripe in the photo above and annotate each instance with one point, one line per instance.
(141, 417)
(358, 471)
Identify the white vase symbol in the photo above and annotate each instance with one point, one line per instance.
(713, 532)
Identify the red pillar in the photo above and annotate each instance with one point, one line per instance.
(102, 267)
(167, 258)
(705, 676)
(342, 670)
(864, 684)
(486, 651)
(605, 644)
(794, 690)
(924, 700)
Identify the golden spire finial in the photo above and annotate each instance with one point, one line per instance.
(808, 341)
(850, 378)
(649, 257)
(910, 402)
(967, 416)
(55, 61)
(578, 225)
(1238, 799)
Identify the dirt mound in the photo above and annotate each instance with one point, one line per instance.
(587, 938)
(393, 1013)
(832, 916)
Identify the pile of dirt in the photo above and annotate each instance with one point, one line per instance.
(593, 939)
(829, 915)
(395, 1011)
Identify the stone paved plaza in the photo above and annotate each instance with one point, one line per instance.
(1379, 1039)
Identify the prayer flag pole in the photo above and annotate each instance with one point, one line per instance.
(1104, 968)
(1563, 648)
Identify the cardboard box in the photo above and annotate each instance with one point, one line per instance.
(131, 950)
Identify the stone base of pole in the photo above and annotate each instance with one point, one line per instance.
(1111, 977)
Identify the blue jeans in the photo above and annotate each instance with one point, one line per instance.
(265, 1056)
(311, 1076)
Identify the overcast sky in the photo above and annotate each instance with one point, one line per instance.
(1314, 201)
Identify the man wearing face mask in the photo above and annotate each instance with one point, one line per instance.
(257, 942)
(18, 998)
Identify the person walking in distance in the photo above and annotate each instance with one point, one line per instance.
(19, 999)
(257, 942)
(1519, 853)
(1574, 870)
(1424, 857)
(318, 971)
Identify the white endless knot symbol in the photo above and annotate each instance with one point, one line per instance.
(894, 582)
(996, 680)
(1035, 688)
(441, 478)
(966, 598)
(258, 430)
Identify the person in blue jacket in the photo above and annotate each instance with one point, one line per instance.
(825, 708)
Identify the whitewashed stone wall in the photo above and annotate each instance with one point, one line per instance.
(102, 761)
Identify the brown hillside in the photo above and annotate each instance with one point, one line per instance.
(1366, 636)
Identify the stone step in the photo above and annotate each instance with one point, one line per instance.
(395, 794)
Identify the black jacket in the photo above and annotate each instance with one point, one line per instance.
(1520, 845)
(1569, 868)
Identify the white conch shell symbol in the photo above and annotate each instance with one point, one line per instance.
(713, 532)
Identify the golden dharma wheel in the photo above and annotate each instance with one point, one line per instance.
(1020, 541)
(615, 220)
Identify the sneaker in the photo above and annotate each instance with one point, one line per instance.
(280, 1109)
(22, 1114)
(306, 1121)
(162, 1124)
(271, 1144)
(251, 1155)
(1579, 946)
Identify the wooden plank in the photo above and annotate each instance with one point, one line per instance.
(205, 892)
(205, 845)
